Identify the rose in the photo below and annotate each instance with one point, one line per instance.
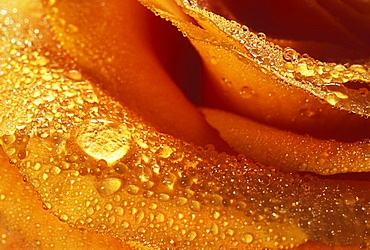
(251, 237)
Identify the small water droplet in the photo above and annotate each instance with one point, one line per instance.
(108, 186)
(247, 92)
(119, 211)
(261, 36)
(246, 238)
(132, 189)
(40, 61)
(290, 54)
(55, 170)
(63, 217)
(181, 201)
(160, 217)
(191, 235)
(46, 205)
(74, 75)
(169, 180)
(164, 197)
(195, 205)
(139, 216)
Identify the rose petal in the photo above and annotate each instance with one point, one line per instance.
(126, 65)
(25, 224)
(289, 151)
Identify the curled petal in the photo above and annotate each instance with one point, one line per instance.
(287, 150)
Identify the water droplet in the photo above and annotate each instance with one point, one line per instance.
(152, 206)
(8, 139)
(195, 205)
(216, 200)
(46, 205)
(40, 61)
(164, 197)
(139, 216)
(108, 186)
(119, 211)
(191, 235)
(338, 90)
(246, 238)
(63, 217)
(125, 224)
(132, 189)
(331, 99)
(160, 217)
(216, 215)
(181, 201)
(108, 207)
(74, 75)
(144, 173)
(90, 211)
(55, 170)
(104, 139)
(290, 55)
(261, 36)
(214, 228)
(169, 180)
(247, 92)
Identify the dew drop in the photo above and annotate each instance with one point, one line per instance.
(108, 186)
(331, 99)
(125, 224)
(181, 201)
(191, 235)
(246, 238)
(152, 206)
(104, 139)
(214, 228)
(40, 61)
(195, 205)
(74, 75)
(132, 189)
(169, 180)
(160, 217)
(119, 211)
(46, 206)
(290, 54)
(55, 170)
(247, 92)
(261, 36)
(139, 216)
(164, 197)
(144, 173)
(63, 217)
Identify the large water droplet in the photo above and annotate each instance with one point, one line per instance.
(104, 139)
